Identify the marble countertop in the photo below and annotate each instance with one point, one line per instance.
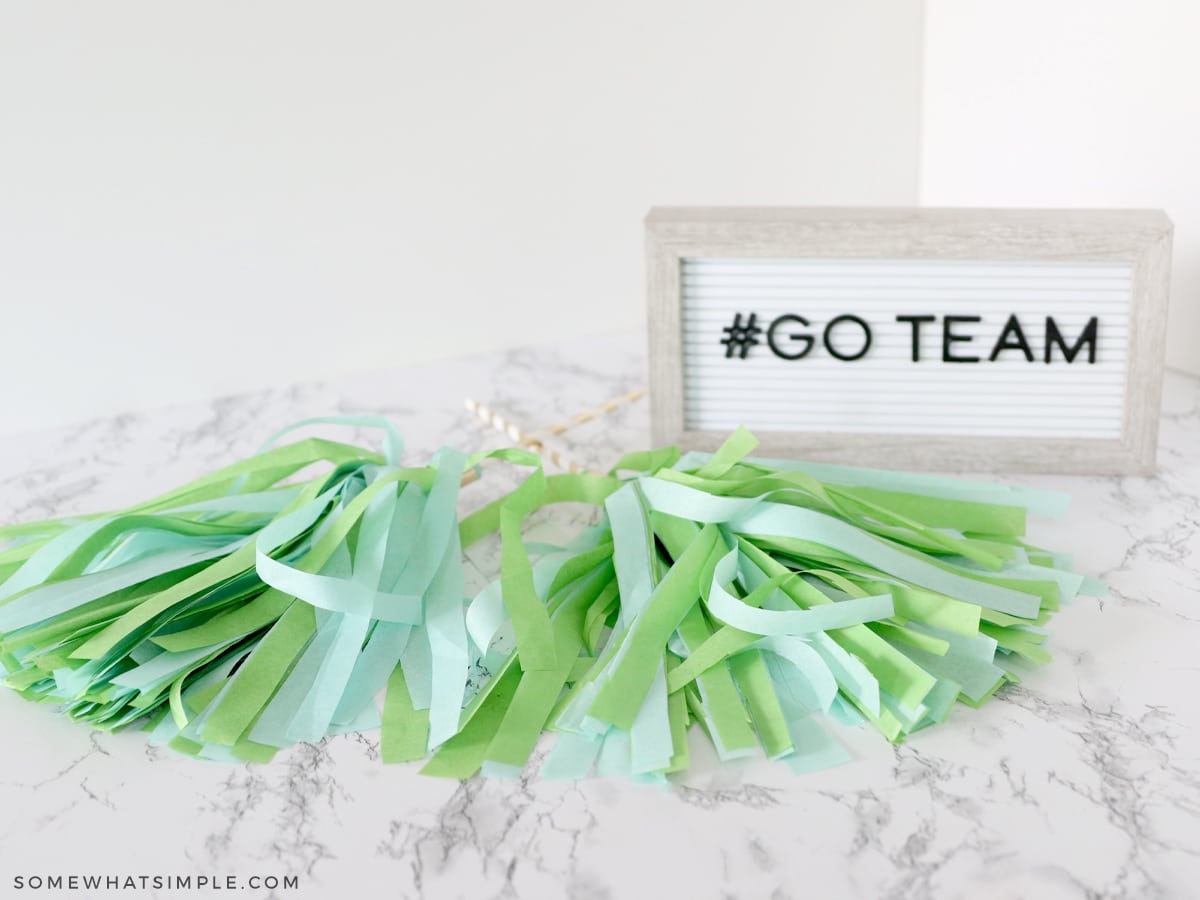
(1084, 781)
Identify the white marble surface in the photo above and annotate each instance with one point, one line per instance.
(1082, 782)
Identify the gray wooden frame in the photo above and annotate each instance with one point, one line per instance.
(1142, 237)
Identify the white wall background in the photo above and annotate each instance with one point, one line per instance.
(1078, 103)
(207, 198)
(198, 199)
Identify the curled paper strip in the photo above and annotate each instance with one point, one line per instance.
(243, 612)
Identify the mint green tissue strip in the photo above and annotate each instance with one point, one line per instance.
(760, 601)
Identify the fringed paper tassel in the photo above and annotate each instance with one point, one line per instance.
(242, 613)
(239, 614)
(754, 596)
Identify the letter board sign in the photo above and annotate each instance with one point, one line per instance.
(956, 340)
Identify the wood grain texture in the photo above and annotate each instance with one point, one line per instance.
(1142, 237)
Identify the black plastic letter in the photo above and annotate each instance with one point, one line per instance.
(847, 357)
(949, 337)
(1087, 336)
(1012, 329)
(806, 338)
(916, 332)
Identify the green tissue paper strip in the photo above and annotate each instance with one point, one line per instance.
(754, 599)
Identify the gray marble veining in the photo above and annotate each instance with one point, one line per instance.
(1082, 782)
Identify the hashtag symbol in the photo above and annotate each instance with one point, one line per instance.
(739, 337)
